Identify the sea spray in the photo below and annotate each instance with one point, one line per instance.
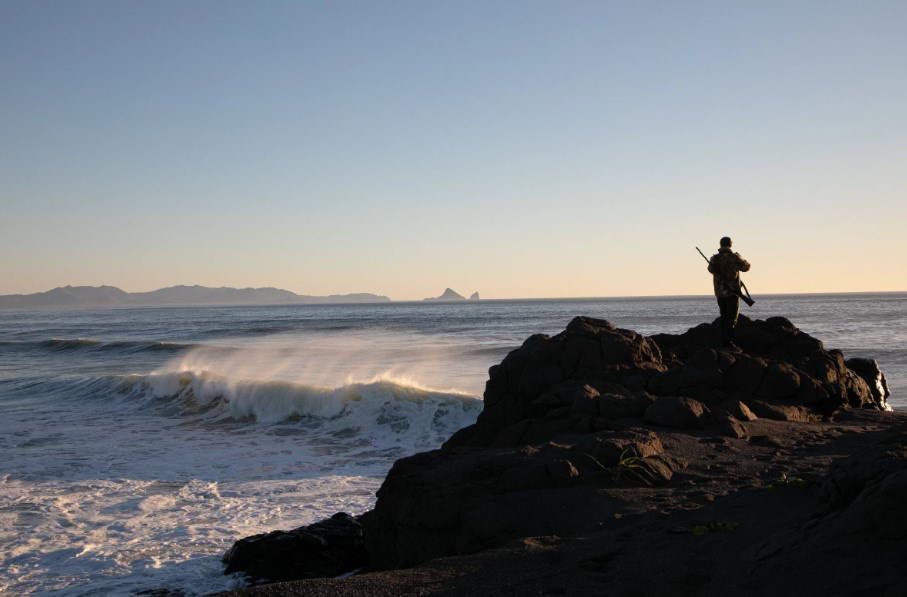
(376, 407)
(164, 471)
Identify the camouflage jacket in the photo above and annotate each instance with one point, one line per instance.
(725, 267)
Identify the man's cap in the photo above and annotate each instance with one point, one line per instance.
(726, 241)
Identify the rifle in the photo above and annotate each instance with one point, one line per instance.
(746, 298)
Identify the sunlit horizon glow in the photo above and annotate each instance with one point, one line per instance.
(519, 149)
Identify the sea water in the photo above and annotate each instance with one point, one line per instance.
(138, 444)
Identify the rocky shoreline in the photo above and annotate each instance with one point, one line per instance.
(608, 462)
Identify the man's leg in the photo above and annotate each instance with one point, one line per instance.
(722, 309)
(730, 311)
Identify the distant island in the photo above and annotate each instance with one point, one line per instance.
(450, 295)
(76, 297)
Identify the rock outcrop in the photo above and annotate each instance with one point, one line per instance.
(325, 549)
(607, 434)
(584, 410)
(594, 372)
(448, 296)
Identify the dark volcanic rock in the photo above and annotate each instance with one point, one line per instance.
(738, 410)
(727, 425)
(582, 426)
(572, 370)
(865, 475)
(556, 385)
(568, 413)
(327, 548)
(765, 515)
(868, 370)
(461, 500)
(680, 413)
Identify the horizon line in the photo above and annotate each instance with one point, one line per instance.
(429, 301)
(512, 298)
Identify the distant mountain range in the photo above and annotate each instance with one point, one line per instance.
(110, 296)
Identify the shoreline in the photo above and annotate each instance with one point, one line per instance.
(661, 465)
(730, 524)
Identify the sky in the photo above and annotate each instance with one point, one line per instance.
(521, 149)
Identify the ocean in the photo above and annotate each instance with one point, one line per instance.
(139, 444)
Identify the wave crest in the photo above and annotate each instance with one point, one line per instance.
(369, 402)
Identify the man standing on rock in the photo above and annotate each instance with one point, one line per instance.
(725, 267)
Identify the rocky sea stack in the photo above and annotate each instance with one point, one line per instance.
(452, 296)
(609, 462)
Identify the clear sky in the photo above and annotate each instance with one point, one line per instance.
(517, 148)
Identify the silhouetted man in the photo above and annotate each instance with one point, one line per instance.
(725, 267)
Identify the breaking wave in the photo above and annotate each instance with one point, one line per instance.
(382, 412)
(395, 405)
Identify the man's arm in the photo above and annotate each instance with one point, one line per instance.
(742, 263)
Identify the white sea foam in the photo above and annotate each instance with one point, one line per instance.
(113, 537)
(270, 386)
(143, 481)
(357, 403)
